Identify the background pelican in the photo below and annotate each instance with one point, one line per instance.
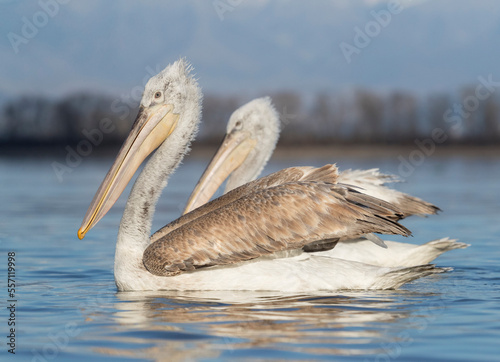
(251, 136)
(253, 235)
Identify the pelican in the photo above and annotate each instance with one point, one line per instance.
(251, 136)
(251, 238)
(252, 133)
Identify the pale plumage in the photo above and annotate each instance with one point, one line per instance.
(253, 237)
(396, 253)
(373, 183)
(255, 127)
(263, 220)
(254, 124)
(249, 124)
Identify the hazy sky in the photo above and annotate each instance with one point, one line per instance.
(54, 47)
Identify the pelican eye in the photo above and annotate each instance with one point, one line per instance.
(157, 95)
(238, 125)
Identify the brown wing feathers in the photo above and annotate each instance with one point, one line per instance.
(409, 205)
(283, 217)
(327, 173)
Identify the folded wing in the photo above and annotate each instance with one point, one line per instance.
(269, 219)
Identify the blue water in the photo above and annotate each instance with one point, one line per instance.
(67, 306)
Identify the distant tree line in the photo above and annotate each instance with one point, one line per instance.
(359, 116)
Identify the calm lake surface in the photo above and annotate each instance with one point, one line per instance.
(67, 306)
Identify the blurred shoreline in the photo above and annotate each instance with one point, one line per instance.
(287, 151)
(337, 152)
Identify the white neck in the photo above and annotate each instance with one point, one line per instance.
(135, 227)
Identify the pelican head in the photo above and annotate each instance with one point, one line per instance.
(168, 119)
(238, 157)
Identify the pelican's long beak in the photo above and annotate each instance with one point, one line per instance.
(232, 152)
(152, 126)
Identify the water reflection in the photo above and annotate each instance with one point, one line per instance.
(182, 325)
(66, 283)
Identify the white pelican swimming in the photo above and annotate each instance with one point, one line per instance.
(250, 238)
(252, 133)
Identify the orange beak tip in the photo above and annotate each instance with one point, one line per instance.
(81, 234)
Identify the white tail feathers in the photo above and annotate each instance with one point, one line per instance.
(395, 255)
(396, 278)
